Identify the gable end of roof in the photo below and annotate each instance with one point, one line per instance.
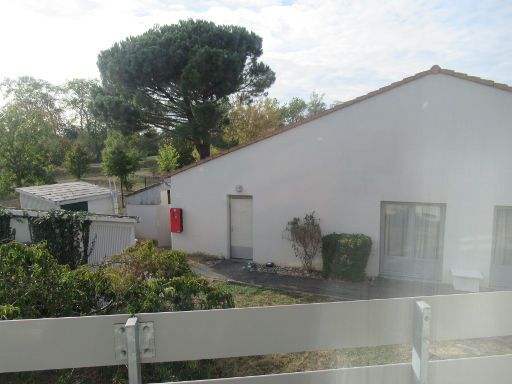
(435, 69)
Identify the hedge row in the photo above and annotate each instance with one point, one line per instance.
(345, 255)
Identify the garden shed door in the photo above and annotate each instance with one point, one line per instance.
(411, 242)
(240, 208)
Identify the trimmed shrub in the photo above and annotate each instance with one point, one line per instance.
(345, 255)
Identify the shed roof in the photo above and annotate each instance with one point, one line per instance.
(65, 192)
(436, 69)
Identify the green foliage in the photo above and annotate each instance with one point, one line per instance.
(305, 236)
(6, 233)
(9, 312)
(25, 156)
(297, 109)
(66, 234)
(82, 124)
(120, 156)
(316, 104)
(146, 278)
(249, 120)
(29, 95)
(294, 111)
(179, 77)
(168, 158)
(345, 255)
(77, 161)
(34, 285)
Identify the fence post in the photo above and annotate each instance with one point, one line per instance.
(132, 344)
(421, 342)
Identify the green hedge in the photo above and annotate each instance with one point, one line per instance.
(345, 255)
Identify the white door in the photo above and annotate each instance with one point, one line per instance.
(241, 227)
(412, 240)
(501, 267)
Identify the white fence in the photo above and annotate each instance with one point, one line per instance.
(109, 235)
(27, 345)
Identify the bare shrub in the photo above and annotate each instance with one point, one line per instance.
(306, 237)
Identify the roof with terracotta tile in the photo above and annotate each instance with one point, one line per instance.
(434, 70)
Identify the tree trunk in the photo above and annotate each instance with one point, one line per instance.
(203, 150)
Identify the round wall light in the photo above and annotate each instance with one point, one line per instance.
(239, 188)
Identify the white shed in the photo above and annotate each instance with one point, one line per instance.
(423, 166)
(74, 196)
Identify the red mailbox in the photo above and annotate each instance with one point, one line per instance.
(176, 220)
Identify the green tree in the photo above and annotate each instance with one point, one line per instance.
(82, 124)
(179, 77)
(168, 158)
(297, 109)
(30, 94)
(24, 155)
(77, 161)
(120, 157)
(294, 111)
(250, 120)
(316, 103)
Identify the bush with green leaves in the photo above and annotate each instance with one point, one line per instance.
(66, 234)
(148, 279)
(144, 279)
(306, 237)
(6, 232)
(345, 255)
(33, 284)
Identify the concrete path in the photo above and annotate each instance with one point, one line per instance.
(380, 288)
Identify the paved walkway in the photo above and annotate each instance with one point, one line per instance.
(380, 288)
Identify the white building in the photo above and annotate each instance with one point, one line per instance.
(75, 196)
(151, 205)
(109, 234)
(423, 166)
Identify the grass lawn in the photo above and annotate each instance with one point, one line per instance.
(249, 296)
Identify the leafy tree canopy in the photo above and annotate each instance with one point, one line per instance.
(247, 121)
(30, 94)
(120, 156)
(25, 155)
(179, 78)
(298, 109)
(82, 125)
(168, 158)
(77, 161)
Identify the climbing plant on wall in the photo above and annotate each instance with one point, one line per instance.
(6, 233)
(66, 235)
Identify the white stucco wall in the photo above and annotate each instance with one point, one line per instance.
(153, 222)
(109, 235)
(32, 202)
(149, 196)
(438, 139)
(103, 205)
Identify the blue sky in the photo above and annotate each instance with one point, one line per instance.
(340, 48)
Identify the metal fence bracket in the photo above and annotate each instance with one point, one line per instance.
(134, 341)
(146, 341)
(421, 342)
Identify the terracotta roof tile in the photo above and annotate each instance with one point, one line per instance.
(434, 70)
